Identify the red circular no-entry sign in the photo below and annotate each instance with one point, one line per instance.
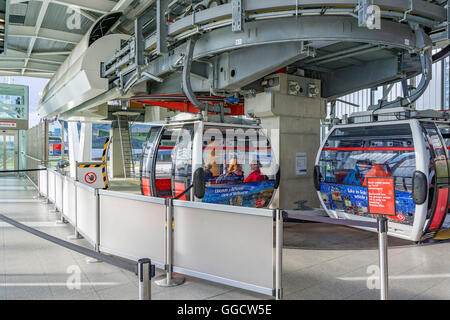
(90, 177)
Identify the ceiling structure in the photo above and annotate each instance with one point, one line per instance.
(41, 34)
(327, 40)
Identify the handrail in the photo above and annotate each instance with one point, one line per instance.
(33, 158)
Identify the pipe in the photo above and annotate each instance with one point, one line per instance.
(441, 55)
(427, 75)
(187, 87)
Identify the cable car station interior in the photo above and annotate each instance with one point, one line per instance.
(224, 149)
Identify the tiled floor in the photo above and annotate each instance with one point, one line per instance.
(319, 262)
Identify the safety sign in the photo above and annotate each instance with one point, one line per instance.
(381, 196)
(90, 177)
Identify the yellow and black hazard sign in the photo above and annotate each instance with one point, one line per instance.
(94, 174)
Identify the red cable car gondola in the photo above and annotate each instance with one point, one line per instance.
(235, 155)
(412, 151)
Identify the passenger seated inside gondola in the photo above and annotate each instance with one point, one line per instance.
(233, 175)
(377, 171)
(256, 175)
(356, 175)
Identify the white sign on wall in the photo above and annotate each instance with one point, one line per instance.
(301, 164)
(8, 124)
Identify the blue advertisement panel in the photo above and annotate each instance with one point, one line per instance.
(354, 200)
(253, 195)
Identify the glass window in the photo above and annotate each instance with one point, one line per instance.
(148, 150)
(182, 159)
(174, 151)
(352, 154)
(438, 152)
(100, 133)
(163, 163)
(239, 167)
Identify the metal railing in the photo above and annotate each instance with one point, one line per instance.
(97, 215)
(156, 228)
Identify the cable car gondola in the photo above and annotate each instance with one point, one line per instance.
(236, 159)
(412, 151)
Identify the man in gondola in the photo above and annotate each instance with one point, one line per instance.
(356, 175)
(377, 171)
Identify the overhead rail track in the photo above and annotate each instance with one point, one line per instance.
(304, 33)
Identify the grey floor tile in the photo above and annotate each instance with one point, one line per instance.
(119, 292)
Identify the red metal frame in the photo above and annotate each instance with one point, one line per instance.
(181, 103)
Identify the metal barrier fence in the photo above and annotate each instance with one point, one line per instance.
(223, 244)
(236, 246)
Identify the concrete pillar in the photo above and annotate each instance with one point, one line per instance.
(116, 155)
(74, 147)
(86, 142)
(293, 124)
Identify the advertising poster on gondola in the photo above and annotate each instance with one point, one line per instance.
(381, 196)
(256, 194)
(354, 200)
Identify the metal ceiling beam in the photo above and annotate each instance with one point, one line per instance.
(100, 6)
(40, 67)
(37, 27)
(53, 53)
(14, 54)
(87, 15)
(9, 73)
(44, 33)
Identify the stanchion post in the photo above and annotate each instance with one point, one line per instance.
(54, 197)
(61, 220)
(54, 210)
(47, 195)
(144, 276)
(383, 256)
(39, 183)
(97, 228)
(279, 254)
(170, 279)
(97, 219)
(76, 235)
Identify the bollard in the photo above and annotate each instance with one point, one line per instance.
(279, 255)
(170, 279)
(383, 256)
(144, 276)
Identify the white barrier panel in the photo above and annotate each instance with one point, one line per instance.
(59, 191)
(51, 186)
(132, 226)
(43, 182)
(87, 213)
(69, 198)
(229, 245)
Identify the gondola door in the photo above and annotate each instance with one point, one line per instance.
(182, 160)
(438, 178)
(149, 156)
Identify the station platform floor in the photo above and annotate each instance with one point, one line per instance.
(320, 261)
